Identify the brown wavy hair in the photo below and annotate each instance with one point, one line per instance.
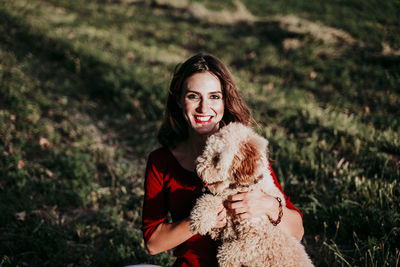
(174, 128)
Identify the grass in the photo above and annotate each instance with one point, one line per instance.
(82, 89)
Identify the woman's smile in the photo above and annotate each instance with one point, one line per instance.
(202, 119)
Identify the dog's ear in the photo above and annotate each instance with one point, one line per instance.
(245, 164)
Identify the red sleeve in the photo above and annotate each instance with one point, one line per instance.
(154, 208)
(289, 204)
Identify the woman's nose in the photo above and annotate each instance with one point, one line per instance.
(203, 106)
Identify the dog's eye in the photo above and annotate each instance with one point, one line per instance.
(215, 159)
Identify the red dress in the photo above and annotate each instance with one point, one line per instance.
(171, 188)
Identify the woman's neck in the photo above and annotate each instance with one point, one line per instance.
(195, 143)
(187, 151)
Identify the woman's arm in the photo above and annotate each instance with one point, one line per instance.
(257, 203)
(169, 235)
(158, 233)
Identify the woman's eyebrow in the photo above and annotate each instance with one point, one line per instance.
(191, 91)
(197, 92)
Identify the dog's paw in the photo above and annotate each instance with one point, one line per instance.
(203, 216)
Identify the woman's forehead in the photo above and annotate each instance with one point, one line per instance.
(202, 82)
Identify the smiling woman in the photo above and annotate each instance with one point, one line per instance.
(202, 98)
(174, 128)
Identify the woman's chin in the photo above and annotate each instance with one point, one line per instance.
(206, 129)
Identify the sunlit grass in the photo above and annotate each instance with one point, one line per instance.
(83, 84)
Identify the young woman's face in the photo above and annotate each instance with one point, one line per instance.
(202, 102)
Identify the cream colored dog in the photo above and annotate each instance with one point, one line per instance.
(234, 160)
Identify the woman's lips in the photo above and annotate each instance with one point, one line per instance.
(202, 119)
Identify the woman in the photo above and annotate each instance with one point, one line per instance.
(202, 98)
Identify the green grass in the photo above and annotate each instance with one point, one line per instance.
(82, 89)
(372, 21)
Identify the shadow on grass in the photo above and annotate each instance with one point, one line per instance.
(86, 77)
(38, 220)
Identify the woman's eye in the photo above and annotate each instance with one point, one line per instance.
(191, 96)
(215, 96)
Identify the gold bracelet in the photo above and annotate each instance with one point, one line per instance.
(277, 221)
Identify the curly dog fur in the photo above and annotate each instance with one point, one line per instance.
(235, 159)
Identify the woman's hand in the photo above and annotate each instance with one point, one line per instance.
(252, 204)
(221, 218)
(256, 203)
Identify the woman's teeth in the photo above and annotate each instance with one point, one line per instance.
(203, 118)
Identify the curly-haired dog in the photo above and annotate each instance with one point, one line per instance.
(235, 159)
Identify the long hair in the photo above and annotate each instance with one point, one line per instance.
(174, 128)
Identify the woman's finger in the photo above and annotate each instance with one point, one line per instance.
(237, 197)
(222, 213)
(242, 216)
(221, 223)
(235, 205)
(239, 211)
(221, 219)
